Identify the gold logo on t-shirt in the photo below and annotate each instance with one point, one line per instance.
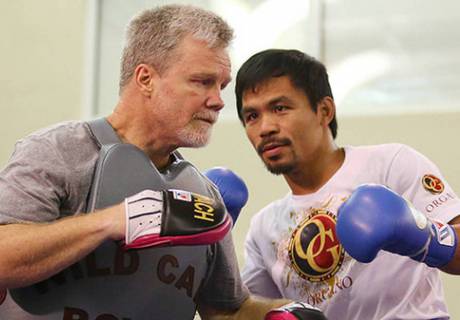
(314, 249)
(432, 183)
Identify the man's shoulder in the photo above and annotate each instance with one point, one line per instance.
(65, 128)
(69, 142)
(385, 148)
(58, 133)
(273, 207)
(378, 153)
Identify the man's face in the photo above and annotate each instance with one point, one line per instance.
(281, 125)
(188, 93)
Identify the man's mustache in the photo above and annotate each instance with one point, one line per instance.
(208, 116)
(269, 143)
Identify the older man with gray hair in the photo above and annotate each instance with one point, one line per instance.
(63, 256)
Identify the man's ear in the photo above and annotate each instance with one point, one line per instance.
(144, 76)
(326, 109)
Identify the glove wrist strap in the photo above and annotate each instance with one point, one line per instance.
(143, 214)
(441, 245)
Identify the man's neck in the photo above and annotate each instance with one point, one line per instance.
(310, 177)
(131, 129)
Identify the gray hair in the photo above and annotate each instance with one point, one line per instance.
(152, 36)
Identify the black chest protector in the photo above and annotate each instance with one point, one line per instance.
(112, 284)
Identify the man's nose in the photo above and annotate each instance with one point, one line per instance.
(268, 126)
(215, 101)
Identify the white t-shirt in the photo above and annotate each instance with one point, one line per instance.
(292, 250)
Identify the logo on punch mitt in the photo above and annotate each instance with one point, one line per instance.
(203, 207)
(432, 184)
(314, 248)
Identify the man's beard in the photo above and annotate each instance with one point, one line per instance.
(276, 169)
(198, 131)
(195, 136)
(280, 169)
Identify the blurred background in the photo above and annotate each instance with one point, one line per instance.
(394, 68)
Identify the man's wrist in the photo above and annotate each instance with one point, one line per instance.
(111, 221)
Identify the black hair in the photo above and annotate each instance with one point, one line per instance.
(305, 72)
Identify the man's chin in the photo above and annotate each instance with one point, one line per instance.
(196, 140)
(278, 169)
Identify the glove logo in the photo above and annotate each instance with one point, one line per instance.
(314, 249)
(432, 184)
(203, 208)
(182, 195)
(443, 233)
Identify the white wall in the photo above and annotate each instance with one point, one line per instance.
(41, 65)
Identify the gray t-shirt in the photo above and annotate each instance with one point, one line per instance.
(49, 177)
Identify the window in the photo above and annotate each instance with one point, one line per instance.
(388, 56)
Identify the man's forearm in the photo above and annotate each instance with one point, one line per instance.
(33, 252)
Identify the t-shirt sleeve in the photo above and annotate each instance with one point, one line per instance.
(420, 181)
(32, 184)
(224, 289)
(255, 274)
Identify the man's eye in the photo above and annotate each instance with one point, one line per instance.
(205, 82)
(279, 108)
(250, 117)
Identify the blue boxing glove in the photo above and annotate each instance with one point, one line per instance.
(232, 189)
(375, 218)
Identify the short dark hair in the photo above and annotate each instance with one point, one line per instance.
(305, 72)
